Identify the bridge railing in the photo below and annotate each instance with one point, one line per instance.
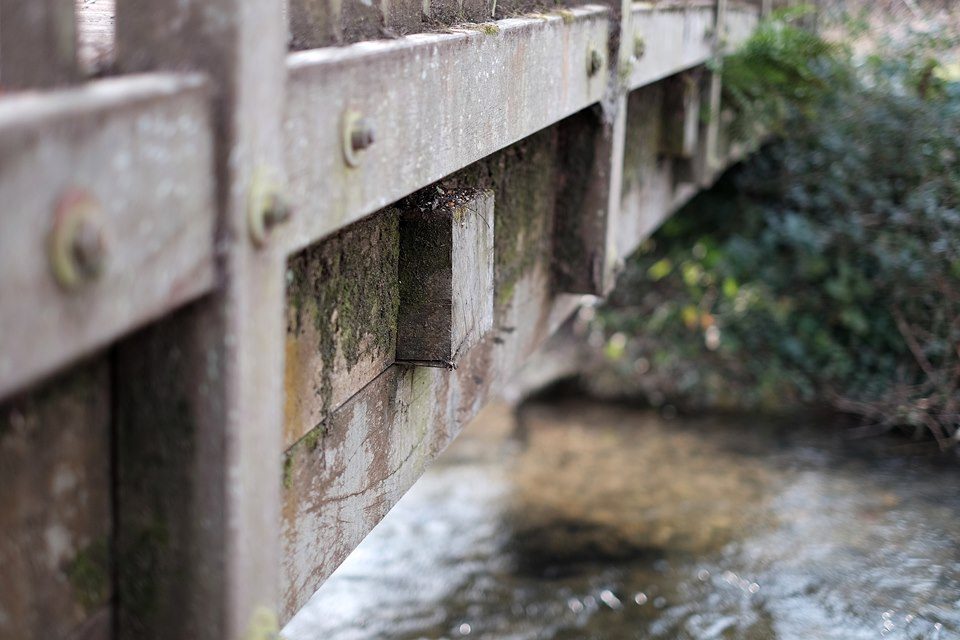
(257, 269)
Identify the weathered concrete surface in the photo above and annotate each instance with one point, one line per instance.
(589, 178)
(647, 177)
(343, 477)
(55, 509)
(437, 102)
(682, 106)
(233, 340)
(156, 223)
(669, 38)
(342, 301)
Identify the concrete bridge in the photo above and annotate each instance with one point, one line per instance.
(260, 262)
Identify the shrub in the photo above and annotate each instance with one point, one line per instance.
(826, 269)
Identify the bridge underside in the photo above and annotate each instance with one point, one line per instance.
(203, 418)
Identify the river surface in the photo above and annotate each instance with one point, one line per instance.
(587, 520)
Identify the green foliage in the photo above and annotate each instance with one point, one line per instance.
(783, 70)
(826, 269)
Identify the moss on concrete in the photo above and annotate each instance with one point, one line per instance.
(145, 568)
(89, 574)
(288, 470)
(345, 288)
(488, 28)
(312, 440)
(523, 178)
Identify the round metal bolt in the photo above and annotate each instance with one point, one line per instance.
(89, 249)
(639, 47)
(362, 135)
(267, 208)
(594, 62)
(358, 135)
(78, 242)
(278, 211)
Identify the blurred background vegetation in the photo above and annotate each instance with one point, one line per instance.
(824, 271)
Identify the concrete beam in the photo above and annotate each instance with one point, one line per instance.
(668, 39)
(432, 104)
(146, 238)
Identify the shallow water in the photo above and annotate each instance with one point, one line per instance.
(599, 521)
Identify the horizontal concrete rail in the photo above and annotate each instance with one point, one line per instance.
(107, 200)
(435, 102)
(669, 39)
(740, 23)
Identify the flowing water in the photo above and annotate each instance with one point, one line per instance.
(599, 521)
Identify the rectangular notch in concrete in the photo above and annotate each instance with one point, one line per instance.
(446, 276)
(591, 152)
(681, 116)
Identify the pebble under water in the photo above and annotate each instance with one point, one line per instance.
(600, 521)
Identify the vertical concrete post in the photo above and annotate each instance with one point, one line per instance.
(199, 395)
(38, 43)
(591, 163)
(681, 116)
(714, 162)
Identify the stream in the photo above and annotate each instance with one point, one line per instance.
(590, 520)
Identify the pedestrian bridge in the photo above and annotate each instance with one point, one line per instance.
(262, 261)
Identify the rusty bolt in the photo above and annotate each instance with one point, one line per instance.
(639, 47)
(268, 208)
(358, 135)
(594, 62)
(277, 211)
(362, 135)
(89, 249)
(78, 243)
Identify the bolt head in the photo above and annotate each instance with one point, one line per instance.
(358, 134)
(362, 135)
(278, 211)
(267, 208)
(639, 47)
(89, 249)
(78, 240)
(594, 62)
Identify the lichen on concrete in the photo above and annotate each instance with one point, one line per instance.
(523, 178)
(345, 289)
(89, 574)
